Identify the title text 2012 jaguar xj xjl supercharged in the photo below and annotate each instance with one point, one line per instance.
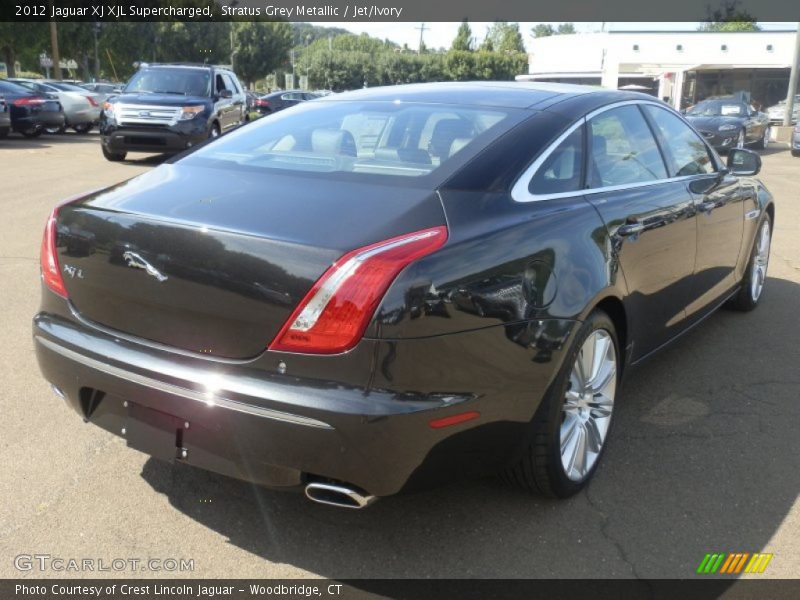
(386, 289)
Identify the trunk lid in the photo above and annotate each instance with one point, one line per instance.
(213, 261)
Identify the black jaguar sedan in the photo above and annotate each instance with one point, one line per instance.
(392, 288)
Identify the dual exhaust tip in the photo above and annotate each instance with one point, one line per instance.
(338, 495)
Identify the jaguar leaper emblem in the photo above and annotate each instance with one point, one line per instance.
(135, 261)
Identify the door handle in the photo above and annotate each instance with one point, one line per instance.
(630, 229)
(707, 206)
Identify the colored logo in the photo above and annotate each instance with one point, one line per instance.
(734, 563)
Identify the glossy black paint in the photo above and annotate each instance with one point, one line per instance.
(5, 118)
(482, 324)
(270, 103)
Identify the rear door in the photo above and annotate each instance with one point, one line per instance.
(651, 220)
(720, 202)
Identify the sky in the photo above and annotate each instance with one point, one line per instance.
(438, 35)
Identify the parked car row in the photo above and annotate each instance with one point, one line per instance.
(31, 112)
(269, 103)
(81, 107)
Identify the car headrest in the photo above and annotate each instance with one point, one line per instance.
(458, 144)
(445, 132)
(333, 141)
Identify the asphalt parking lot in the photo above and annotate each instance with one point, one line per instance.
(703, 458)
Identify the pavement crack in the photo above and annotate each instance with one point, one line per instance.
(604, 531)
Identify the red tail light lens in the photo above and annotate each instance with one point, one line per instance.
(92, 102)
(336, 311)
(51, 272)
(262, 102)
(28, 101)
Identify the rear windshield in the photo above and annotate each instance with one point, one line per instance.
(384, 138)
(718, 108)
(186, 82)
(12, 87)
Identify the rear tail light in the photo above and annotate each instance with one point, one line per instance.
(336, 311)
(51, 272)
(262, 102)
(28, 101)
(92, 102)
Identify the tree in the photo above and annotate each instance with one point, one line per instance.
(729, 18)
(543, 30)
(506, 37)
(546, 30)
(463, 40)
(21, 38)
(261, 46)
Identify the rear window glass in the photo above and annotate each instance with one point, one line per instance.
(399, 139)
(186, 82)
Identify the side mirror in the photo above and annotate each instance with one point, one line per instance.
(225, 94)
(743, 162)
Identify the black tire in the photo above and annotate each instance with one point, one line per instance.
(540, 469)
(4, 132)
(214, 132)
(113, 156)
(83, 128)
(763, 143)
(744, 300)
(795, 152)
(32, 132)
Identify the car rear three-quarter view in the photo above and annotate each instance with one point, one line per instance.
(389, 289)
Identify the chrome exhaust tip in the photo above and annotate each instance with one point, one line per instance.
(338, 495)
(58, 392)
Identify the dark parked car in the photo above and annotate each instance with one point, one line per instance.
(31, 112)
(730, 123)
(5, 118)
(168, 108)
(269, 103)
(394, 287)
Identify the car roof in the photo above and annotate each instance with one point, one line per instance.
(508, 94)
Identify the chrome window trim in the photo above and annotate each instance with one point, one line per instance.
(520, 192)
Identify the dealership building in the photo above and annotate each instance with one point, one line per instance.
(681, 67)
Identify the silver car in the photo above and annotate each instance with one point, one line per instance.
(778, 111)
(796, 140)
(103, 90)
(81, 107)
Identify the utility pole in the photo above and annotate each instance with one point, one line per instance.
(96, 30)
(422, 29)
(787, 117)
(54, 44)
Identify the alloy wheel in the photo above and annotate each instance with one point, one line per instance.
(760, 261)
(766, 137)
(588, 404)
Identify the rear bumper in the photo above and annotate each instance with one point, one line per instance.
(38, 119)
(277, 430)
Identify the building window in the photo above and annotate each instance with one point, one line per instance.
(724, 47)
(636, 47)
(679, 47)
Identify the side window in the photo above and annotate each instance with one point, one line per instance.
(622, 149)
(561, 171)
(686, 152)
(220, 82)
(230, 83)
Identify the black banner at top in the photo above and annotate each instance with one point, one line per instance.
(391, 10)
